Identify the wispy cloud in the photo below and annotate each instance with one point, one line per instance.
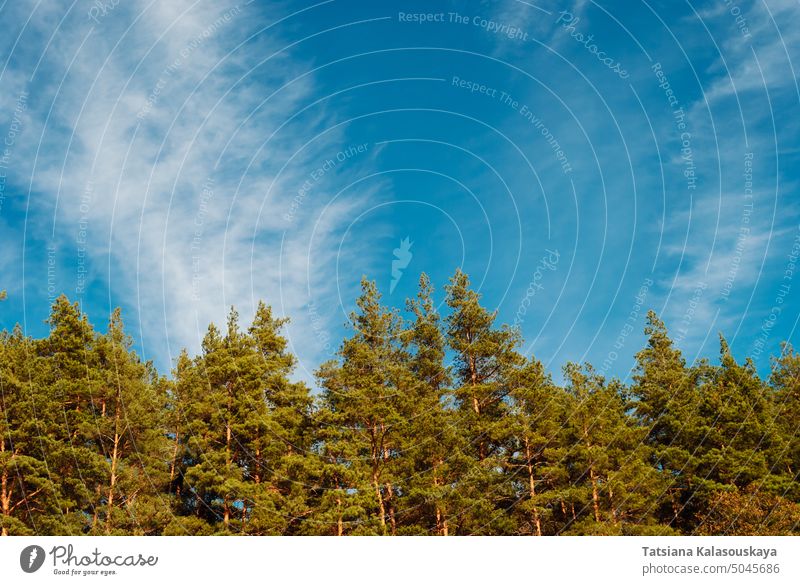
(163, 145)
(731, 238)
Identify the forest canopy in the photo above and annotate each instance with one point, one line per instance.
(425, 424)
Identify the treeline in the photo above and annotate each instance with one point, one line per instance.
(426, 423)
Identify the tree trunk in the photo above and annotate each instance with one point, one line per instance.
(114, 464)
(339, 521)
(174, 465)
(611, 505)
(473, 374)
(532, 485)
(389, 490)
(226, 517)
(5, 492)
(390, 503)
(476, 405)
(441, 520)
(376, 484)
(379, 497)
(592, 476)
(96, 508)
(595, 494)
(675, 509)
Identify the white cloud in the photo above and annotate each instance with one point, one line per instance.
(773, 45)
(127, 131)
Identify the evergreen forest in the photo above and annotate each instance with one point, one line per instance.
(427, 422)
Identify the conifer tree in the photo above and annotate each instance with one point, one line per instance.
(215, 389)
(484, 358)
(433, 445)
(667, 403)
(736, 414)
(75, 385)
(607, 459)
(537, 425)
(243, 430)
(365, 396)
(279, 466)
(435, 425)
(785, 381)
(345, 499)
(130, 428)
(737, 433)
(29, 492)
(185, 392)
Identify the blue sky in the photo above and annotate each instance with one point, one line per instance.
(583, 162)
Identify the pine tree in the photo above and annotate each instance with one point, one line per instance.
(785, 459)
(279, 466)
(737, 431)
(402, 440)
(608, 462)
(184, 394)
(432, 444)
(131, 436)
(667, 403)
(214, 389)
(75, 384)
(241, 433)
(29, 492)
(365, 396)
(344, 499)
(536, 423)
(484, 358)
(737, 422)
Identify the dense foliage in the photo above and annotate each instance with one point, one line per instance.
(425, 424)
